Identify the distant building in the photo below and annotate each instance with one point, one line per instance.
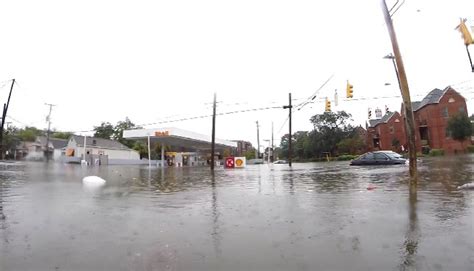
(36, 150)
(387, 133)
(431, 121)
(243, 147)
(100, 147)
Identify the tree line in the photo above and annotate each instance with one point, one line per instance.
(332, 135)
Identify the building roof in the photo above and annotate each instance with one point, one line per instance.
(171, 136)
(99, 143)
(433, 97)
(373, 123)
(57, 143)
(384, 119)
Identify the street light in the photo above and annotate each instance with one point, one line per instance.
(392, 57)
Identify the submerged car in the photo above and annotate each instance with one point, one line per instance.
(280, 162)
(379, 158)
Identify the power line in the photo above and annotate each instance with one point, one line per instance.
(197, 117)
(312, 97)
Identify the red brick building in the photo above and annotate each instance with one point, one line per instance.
(243, 147)
(387, 133)
(431, 120)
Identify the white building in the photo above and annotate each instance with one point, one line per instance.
(114, 150)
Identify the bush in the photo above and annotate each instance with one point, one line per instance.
(470, 149)
(436, 152)
(346, 157)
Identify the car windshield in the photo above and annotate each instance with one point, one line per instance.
(393, 155)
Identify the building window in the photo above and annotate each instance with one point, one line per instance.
(94, 142)
(461, 109)
(444, 112)
(392, 130)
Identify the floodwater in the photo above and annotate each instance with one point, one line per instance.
(315, 216)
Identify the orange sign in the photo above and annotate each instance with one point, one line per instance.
(162, 133)
(238, 162)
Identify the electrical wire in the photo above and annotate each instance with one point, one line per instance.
(195, 117)
(313, 96)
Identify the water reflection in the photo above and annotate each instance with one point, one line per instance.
(216, 238)
(315, 216)
(412, 235)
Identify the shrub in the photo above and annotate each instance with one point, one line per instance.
(436, 152)
(470, 148)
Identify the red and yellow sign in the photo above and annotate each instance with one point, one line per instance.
(162, 133)
(239, 162)
(229, 162)
(234, 162)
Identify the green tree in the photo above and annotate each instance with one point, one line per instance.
(141, 148)
(301, 139)
(250, 154)
(61, 135)
(460, 127)
(351, 145)
(11, 141)
(118, 132)
(105, 130)
(284, 146)
(329, 129)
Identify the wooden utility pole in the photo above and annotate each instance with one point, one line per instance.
(213, 144)
(4, 115)
(258, 142)
(289, 107)
(409, 118)
(272, 159)
(48, 119)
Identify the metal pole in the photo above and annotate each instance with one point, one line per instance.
(469, 55)
(272, 143)
(258, 141)
(162, 155)
(409, 118)
(85, 149)
(149, 153)
(213, 144)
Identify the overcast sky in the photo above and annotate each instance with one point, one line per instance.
(154, 61)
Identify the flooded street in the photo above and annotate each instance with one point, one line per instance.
(315, 216)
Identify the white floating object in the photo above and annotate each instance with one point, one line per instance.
(466, 186)
(93, 181)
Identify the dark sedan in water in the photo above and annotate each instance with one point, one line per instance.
(379, 158)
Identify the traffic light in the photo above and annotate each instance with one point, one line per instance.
(466, 35)
(370, 113)
(386, 109)
(328, 105)
(349, 90)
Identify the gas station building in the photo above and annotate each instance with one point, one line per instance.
(186, 148)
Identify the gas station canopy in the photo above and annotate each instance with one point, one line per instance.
(178, 138)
